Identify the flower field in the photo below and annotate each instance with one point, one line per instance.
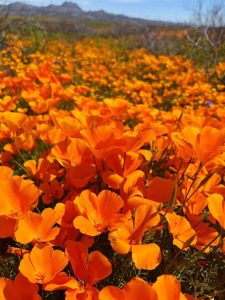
(112, 173)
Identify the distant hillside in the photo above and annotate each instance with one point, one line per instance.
(69, 9)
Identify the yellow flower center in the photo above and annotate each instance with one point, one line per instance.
(39, 277)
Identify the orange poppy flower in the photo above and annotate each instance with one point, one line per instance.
(197, 203)
(205, 234)
(117, 106)
(80, 175)
(128, 237)
(136, 287)
(192, 142)
(82, 294)
(104, 139)
(119, 166)
(184, 235)
(53, 190)
(13, 120)
(25, 140)
(7, 227)
(70, 126)
(71, 152)
(97, 213)
(111, 293)
(42, 264)
(207, 148)
(216, 205)
(167, 287)
(43, 169)
(62, 282)
(39, 227)
(131, 291)
(160, 189)
(20, 289)
(74, 289)
(88, 268)
(8, 103)
(133, 190)
(18, 195)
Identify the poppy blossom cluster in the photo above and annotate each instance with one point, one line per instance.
(100, 198)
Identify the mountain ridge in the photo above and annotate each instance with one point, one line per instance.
(70, 9)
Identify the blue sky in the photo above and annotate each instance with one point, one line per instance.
(168, 10)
